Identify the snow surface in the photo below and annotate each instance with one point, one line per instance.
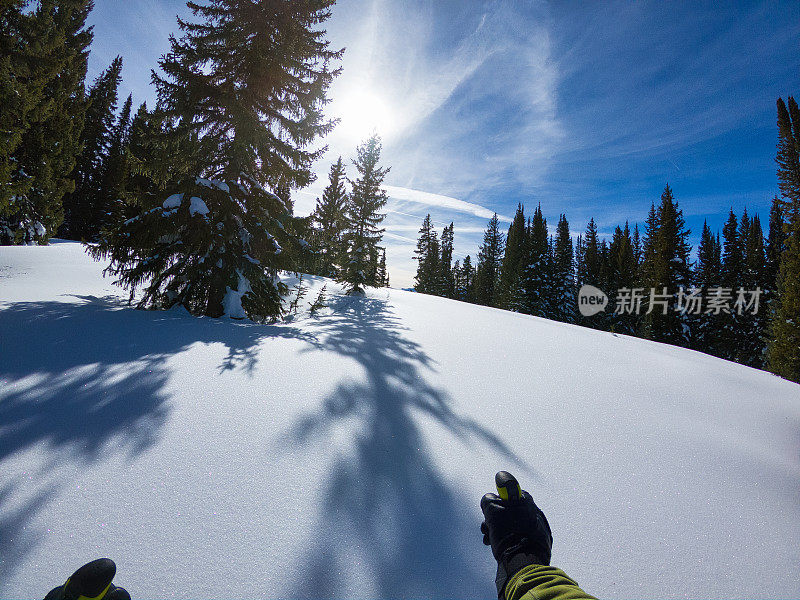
(345, 455)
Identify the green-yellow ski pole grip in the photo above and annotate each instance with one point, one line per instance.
(507, 487)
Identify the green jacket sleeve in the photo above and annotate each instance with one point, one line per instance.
(540, 582)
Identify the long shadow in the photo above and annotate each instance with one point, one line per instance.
(388, 508)
(88, 378)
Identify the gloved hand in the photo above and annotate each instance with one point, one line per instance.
(91, 582)
(515, 528)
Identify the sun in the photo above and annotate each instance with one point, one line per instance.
(362, 112)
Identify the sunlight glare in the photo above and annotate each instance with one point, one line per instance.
(362, 111)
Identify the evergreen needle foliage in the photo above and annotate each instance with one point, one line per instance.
(42, 105)
(364, 216)
(320, 302)
(240, 103)
(331, 222)
(784, 344)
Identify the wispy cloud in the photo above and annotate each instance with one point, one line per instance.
(445, 202)
(472, 92)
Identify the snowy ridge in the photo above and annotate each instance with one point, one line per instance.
(344, 455)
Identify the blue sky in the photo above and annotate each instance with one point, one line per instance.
(588, 108)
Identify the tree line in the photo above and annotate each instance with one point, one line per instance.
(190, 201)
(700, 301)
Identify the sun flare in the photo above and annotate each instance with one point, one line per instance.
(362, 112)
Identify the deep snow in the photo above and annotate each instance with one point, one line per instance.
(344, 455)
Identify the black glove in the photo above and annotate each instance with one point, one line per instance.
(515, 528)
(91, 581)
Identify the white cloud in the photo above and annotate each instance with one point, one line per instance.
(445, 202)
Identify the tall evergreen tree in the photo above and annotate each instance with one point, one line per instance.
(383, 275)
(83, 208)
(445, 276)
(242, 96)
(487, 272)
(647, 263)
(669, 268)
(776, 244)
(427, 257)
(564, 299)
(147, 158)
(707, 325)
(330, 219)
(636, 242)
(536, 267)
(54, 46)
(783, 351)
(731, 277)
(754, 321)
(510, 294)
(366, 201)
(580, 262)
(590, 270)
(465, 289)
(116, 170)
(22, 84)
(621, 274)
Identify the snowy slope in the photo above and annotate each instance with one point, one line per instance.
(345, 455)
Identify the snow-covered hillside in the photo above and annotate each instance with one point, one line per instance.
(345, 455)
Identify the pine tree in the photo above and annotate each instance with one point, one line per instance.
(669, 268)
(622, 276)
(54, 46)
(116, 170)
(465, 289)
(754, 281)
(776, 244)
(647, 263)
(564, 299)
(636, 243)
(783, 350)
(731, 278)
(240, 102)
(603, 320)
(445, 274)
(427, 257)
(372, 267)
(536, 267)
(741, 331)
(590, 270)
(366, 201)
(84, 210)
(788, 155)
(487, 272)
(330, 221)
(383, 274)
(21, 89)
(707, 325)
(580, 262)
(152, 153)
(510, 294)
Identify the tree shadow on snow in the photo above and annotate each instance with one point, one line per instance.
(388, 511)
(87, 379)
